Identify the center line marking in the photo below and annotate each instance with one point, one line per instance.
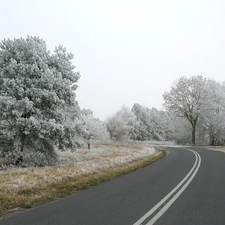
(182, 185)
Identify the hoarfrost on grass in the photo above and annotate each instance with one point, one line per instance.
(72, 165)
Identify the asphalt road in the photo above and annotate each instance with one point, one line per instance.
(194, 181)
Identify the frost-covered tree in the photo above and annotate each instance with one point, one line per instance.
(121, 125)
(187, 98)
(140, 123)
(152, 124)
(90, 128)
(211, 121)
(162, 127)
(202, 102)
(182, 130)
(143, 126)
(36, 97)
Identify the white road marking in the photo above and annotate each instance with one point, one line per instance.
(182, 187)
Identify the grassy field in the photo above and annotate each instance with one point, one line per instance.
(22, 188)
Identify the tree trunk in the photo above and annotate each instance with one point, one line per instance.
(20, 158)
(212, 140)
(193, 133)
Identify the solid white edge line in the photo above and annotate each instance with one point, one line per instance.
(172, 200)
(169, 194)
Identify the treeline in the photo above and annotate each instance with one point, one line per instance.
(39, 113)
(140, 123)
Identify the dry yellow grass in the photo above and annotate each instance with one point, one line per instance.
(26, 187)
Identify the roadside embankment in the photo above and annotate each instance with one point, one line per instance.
(26, 187)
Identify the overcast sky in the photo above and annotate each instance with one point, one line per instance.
(126, 51)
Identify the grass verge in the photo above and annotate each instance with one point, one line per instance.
(14, 200)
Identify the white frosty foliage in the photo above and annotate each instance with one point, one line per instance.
(121, 125)
(140, 123)
(201, 102)
(211, 126)
(37, 89)
(152, 124)
(90, 128)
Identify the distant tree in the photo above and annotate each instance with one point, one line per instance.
(182, 130)
(162, 127)
(90, 128)
(212, 118)
(143, 127)
(36, 98)
(121, 125)
(151, 124)
(188, 98)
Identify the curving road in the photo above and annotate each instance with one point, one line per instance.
(186, 187)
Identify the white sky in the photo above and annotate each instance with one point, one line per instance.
(126, 51)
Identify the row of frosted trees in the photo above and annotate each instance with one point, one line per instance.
(39, 113)
(140, 123)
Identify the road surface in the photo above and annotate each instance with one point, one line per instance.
(187, 187)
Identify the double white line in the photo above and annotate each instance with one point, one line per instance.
(160, 208)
